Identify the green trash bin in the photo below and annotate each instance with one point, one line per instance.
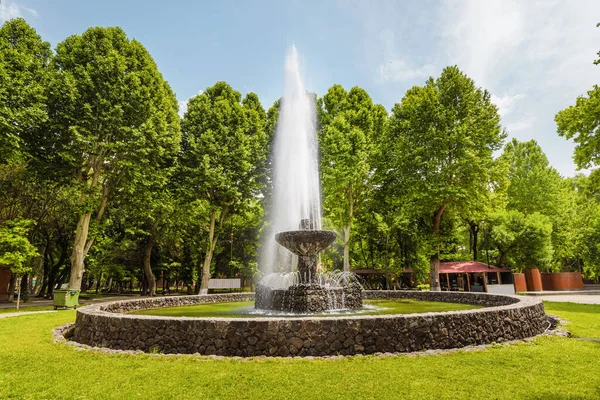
(66, 298)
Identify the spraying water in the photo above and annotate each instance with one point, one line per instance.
(296, 184)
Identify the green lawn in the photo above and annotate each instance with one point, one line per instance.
(549, 368)
(244, 309)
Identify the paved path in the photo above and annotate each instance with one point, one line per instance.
(18, 314)
(573, 298)
(44, 302)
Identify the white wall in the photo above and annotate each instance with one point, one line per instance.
(501, 289)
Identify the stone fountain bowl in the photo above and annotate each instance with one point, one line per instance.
(305, 242)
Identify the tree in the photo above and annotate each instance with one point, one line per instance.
(15, 249)
(534, 186)
(522, 240)
(111, 116)
(223, 146)
(586, 236)
(441, 140)
(581, 123)
(24, 60)
(346, 140)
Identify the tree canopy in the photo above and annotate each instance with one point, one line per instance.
(103, 186)
(441, 140)
(223, 148)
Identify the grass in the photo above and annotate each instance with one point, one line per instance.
(583, 319)
(244, 309)
(32, 367)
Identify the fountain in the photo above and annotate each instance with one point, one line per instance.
(310, 291)
(296, 199)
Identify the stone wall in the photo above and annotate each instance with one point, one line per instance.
(506, 318)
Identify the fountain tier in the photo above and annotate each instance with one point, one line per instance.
(311, 293)
(306, 244)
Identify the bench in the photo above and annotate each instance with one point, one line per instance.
(235, 283)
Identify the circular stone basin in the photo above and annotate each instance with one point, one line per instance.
(238, 309)
(305, 242)
(500, 318)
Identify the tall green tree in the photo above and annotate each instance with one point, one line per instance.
(24, 60)
(111, 117)
(347, 145)
(535, 187)
(441, 140)
(223, 146)
(587, 222)
(16, 252)
(522, 240)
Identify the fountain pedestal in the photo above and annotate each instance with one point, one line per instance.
(308, 296)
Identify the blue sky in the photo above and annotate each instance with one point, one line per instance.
(535, 57)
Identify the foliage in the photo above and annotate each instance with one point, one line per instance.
(15, 249)
(522, 240)
(222, 152)
(113, 117)
(534, 186)
(24, 60)
(581, 122)
(92, 150)
(346, 142)
(441, 139)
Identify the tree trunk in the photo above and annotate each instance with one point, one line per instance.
(474, 231)
(347, 230)
(502, 259)
(208, 255)
(434, 270)
(61, 278)
(45, 271)
(82, 244)
(78, 255)
(99, 282)
(147, 267)
(50, 287)
(24, 286)
(434, 273)
(18, 292)
(39, 273)
(212, 242)
(11, 288)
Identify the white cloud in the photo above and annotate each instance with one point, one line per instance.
(10, 10)
(398, 70)
(481, 36)
(520, 124)
(535, 56)
(506, 103)
(183, 104)
(538, 53)
(394, 67)
(182, 107)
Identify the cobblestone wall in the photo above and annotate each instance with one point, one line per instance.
(506, 318)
